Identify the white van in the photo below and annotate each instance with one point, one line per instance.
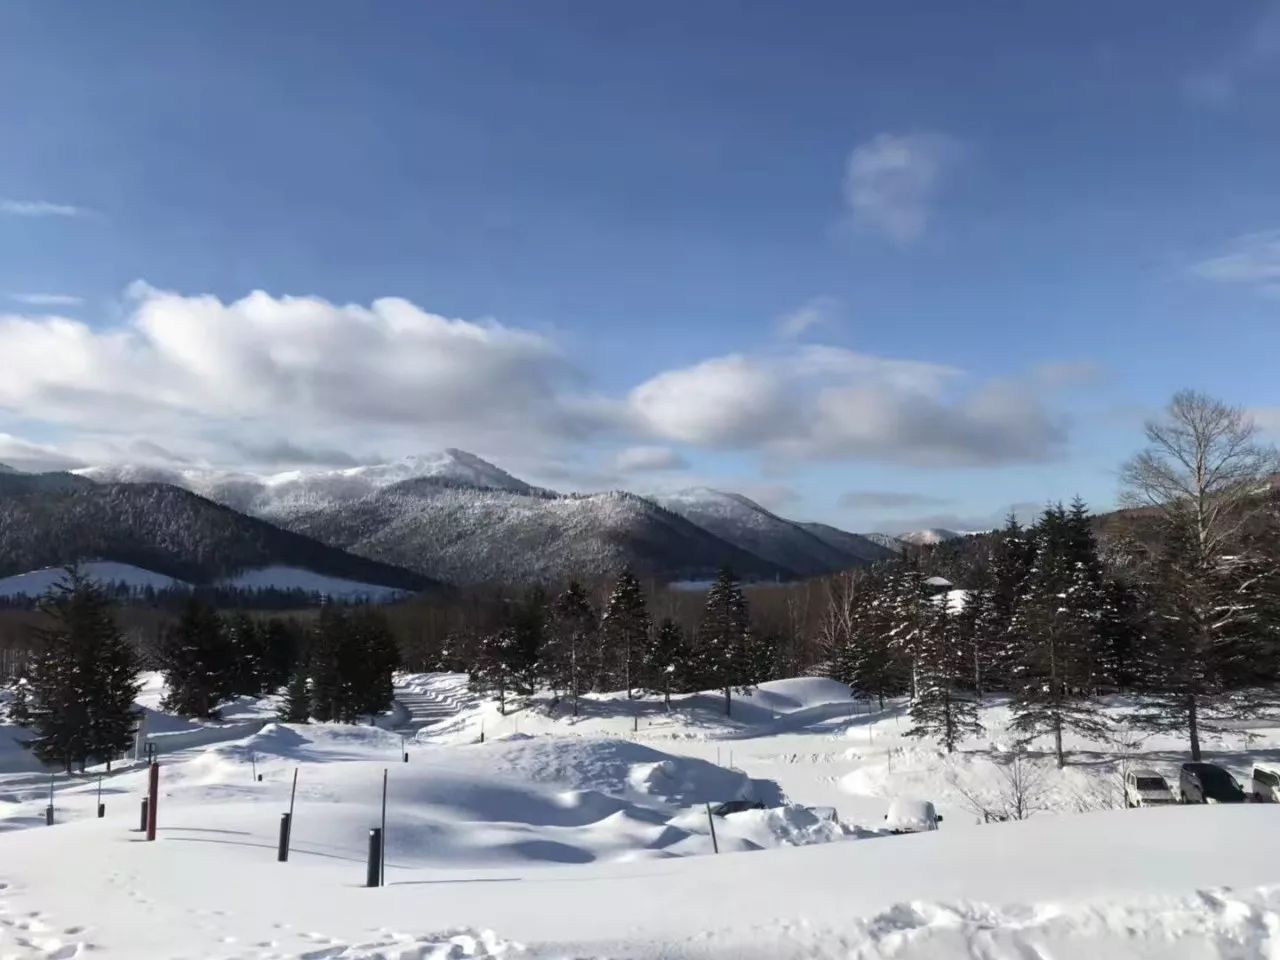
(911, 816)
(1265, 787)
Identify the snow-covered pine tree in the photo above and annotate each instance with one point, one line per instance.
(1008, 565)
(942, 707)
(910, 612)
(324, 660)
(248, 654)
(197, 660)
(1206, 638)
(724, 638)
(1057, 619)
(374, 656)
(624, 630)
(19, 712)
(296, 707)
(280, 652)
(869, 662)
(571, 657)
(83, 677)
(664, 663)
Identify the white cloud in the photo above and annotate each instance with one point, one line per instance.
(648, 458)
(818, 312)
(1252, 260)
(892, 180)
(264, 367)
(39, 208)
(34, 457)
(724, 402)
(266, 380)
(47, 299)
(829, 403)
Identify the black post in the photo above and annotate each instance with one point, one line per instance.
(373, 870)
(282, 851)
(102, 807)
(711, 822)
(48, 816)
(142, 822)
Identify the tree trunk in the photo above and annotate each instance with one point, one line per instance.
(726, 702)
(1194, 727)
(1057, 741)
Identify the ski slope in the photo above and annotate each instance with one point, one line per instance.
(563, 837)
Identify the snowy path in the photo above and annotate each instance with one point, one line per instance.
(431, 698)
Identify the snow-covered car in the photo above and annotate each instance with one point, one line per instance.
(1265, 787)
(1146, 788)
(1208, 783)
(911, 816)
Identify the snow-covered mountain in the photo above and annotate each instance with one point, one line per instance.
(280, 495)
(51, 519)
(455, 516)
(470, 535)
(749, 526)
(866, 547)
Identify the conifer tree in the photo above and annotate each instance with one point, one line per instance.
(942, 708)
(1009, 561)
(723, 638)
(20, 705)
(280, 654)
(197, 660)
(83, 677)
(910, 612)
(371, 651)
(247, 655)
(329, 697)
(573, 645)
(664, 663)
(1057, 623)
(624, 629)
(296, 707)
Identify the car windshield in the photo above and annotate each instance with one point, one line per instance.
(1217, 779)
(1152, 783)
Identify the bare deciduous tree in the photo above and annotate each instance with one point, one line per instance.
(1203, 459)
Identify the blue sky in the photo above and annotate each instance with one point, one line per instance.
(875, 264)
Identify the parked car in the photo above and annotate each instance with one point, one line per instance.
(1146, 788)
(911, 816)
(1265, 787)
(1208, 783)
(736, 806)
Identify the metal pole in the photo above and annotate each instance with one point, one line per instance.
(102, 807)
(142, 821)
(382, 834)
(711, 822)
(253, 759)
(48, 811)
(153, 799)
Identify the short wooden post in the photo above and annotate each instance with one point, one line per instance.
(153, 799)
(373, 868)
(282, 849)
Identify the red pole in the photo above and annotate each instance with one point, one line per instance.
(153, 797)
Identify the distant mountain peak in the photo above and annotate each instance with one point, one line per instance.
(929, 536)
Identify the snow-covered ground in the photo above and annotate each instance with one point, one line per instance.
(277, 577)
(587, 838)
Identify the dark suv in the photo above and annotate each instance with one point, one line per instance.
(1208, 783)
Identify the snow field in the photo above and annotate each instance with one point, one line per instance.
(562, 837)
